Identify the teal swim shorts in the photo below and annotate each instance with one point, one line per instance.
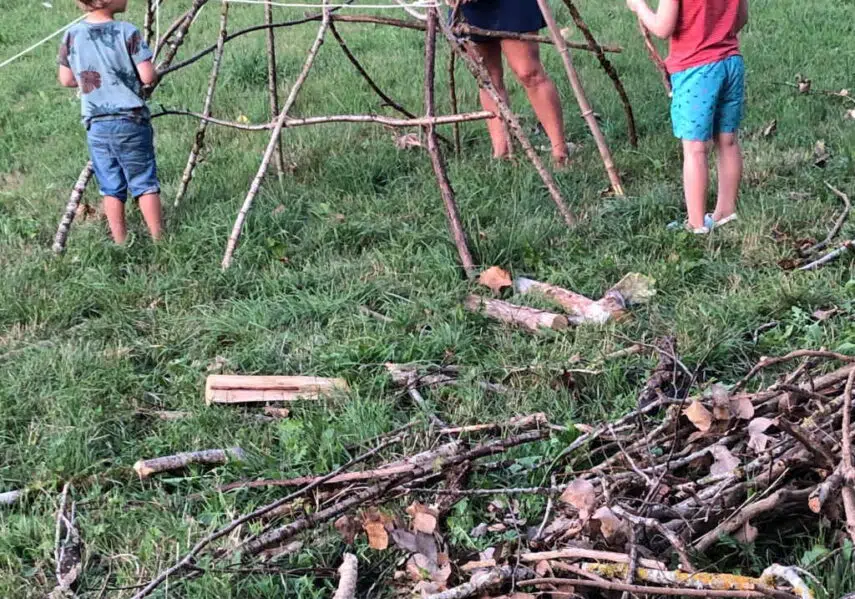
(708, 99)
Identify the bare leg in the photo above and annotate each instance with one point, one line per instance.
(729, 174)
(114, 209)
(524, 60)
(150, 208)
(490, 53)
(695, 180)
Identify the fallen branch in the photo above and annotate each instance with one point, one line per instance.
(640, 589)
(208, 457)
(846, 246)
(581, 553)
(846, 467)
(838, 223)
(477, 585)
(188, 557)
(347, 578)
(68, 548)
(673, 539)
(530, 319)
(272, 85)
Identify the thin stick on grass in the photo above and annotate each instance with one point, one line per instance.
(838, 223)
(480, 73)
(642, 589)
(452, 213)
(271, 145)
(272, 85)
(187, 559)
(608, 67)
(581, 98)
(199, 140)
(847, 469)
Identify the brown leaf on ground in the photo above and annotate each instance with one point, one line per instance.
(821, 155)
(757, 437)
(611, 527)
(495, 278)
(822, 315)
(348, 527)
(699, 416)
(581, 495)
(724, 460)
(374, 524)
(424, 518)
(741, 406)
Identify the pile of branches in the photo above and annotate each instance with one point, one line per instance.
(632, 506)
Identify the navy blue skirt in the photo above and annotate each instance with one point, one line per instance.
(518, 16)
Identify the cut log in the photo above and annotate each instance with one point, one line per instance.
(347, 578)
(582, 309)
(527, 318)
(229, 389)
(211, 457)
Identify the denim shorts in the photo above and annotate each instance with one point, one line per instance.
(122, 154)
(708, 99)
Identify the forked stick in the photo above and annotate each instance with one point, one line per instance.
(436, 159)
(477, 69)
(274, 138)
(579, 92)
(199, 141)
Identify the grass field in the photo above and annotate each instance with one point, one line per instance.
(90, 339)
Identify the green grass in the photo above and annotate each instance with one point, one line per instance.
(89, 339)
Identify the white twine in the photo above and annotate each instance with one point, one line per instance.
(397, 6)
(156, 23)
(39, 43)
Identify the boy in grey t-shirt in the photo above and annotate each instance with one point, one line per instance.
(110, 62)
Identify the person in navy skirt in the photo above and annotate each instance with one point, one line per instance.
(518, 16)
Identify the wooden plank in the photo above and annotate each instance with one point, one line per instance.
(234, 389)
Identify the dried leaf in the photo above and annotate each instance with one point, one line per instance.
(415, 542)
(543, 568)
(581, 495)
(378, 538)
(741, 406)
(479, 531)
(478, 565)
(699, 416)
(424, 518)
(721, 402)
(498, 527)
(611, 527)
(746, 534)
(724, 460)
(495, 278)
(850, 114)
(348, 527)
(757, 439)
(822, 315)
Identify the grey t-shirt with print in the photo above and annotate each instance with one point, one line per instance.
(103, 58)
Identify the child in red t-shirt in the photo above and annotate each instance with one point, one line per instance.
(708, 79)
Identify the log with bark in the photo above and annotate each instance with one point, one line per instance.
(527, 318)
(179, 461)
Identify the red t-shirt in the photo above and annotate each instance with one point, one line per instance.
(704, 34)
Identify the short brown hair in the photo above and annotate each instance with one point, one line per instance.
(92, 4)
